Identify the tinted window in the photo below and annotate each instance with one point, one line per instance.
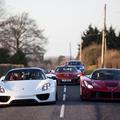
(66, 69)
(106, 75)
(74, 63)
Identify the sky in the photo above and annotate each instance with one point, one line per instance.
(65, 21)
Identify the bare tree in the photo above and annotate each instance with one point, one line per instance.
(20, 33)
(61, 60)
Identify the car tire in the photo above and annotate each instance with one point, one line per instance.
(81, 98)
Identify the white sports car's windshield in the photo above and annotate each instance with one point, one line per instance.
(25, 74)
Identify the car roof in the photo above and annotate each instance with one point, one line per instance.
(27, 68)
(106, 69)
(66, 66)
(74, 61)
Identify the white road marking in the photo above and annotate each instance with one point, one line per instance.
(64, 97)
(64, 89)
(62, 111)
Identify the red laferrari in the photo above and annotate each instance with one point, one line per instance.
(102, 84)
(67, 74)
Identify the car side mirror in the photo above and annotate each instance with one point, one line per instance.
(89, 76)
(2, 78)
(52, 77)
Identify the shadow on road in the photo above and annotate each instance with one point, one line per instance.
(28, 105)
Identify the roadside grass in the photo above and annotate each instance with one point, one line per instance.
(91, 58)
(87, 72)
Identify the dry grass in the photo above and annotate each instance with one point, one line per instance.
(113, 59)
(92, 56)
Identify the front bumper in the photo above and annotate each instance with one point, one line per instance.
(35, 98)
(100, 95)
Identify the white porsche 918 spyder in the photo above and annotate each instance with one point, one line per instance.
(27, 85)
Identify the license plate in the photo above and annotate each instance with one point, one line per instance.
(68, 80)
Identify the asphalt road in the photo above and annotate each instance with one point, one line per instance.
(68, 107)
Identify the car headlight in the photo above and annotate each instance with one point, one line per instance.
(78, 75)
(46, 86)
(83, 67)
(2, 90)
(88, 85)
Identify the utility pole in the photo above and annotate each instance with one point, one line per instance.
(104, 46)
(70, 50)
(81, 49)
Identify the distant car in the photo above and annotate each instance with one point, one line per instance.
(77, 64)
(27, 85)
(49, 74)
(67, 74)
(103, 83)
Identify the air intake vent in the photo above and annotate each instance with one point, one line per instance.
(43, 96)
(4, 98)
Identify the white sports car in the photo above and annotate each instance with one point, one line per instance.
(27, 84)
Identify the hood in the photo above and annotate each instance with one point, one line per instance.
(68, 75)
(25, 87)
(106, 84)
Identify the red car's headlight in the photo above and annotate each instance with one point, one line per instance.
(2, 90)
(88, 85)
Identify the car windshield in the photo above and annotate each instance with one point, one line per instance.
(45, 71)
(106, 75)
(26, 74)
(74, 63)
(66, 69)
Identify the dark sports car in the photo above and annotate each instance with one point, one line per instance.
(102, 84)
(67, 74)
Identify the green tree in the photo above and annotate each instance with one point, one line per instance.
(93, 35)
(4, 55)
(112, 39)
(118, 41)
(18, 58)
(90, 36)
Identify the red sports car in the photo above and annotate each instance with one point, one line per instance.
(67, 74)
(102, 84)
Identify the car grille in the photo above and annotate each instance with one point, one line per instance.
(24, 101)
(103, 94)
(43, 96)
(113, 95)
(4, 98)
(116, 95)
